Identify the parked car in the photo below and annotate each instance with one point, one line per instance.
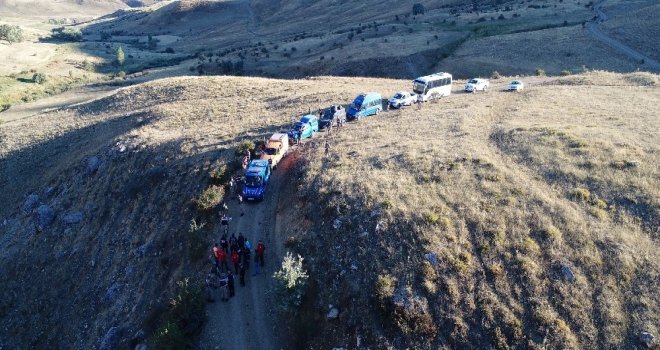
(275, 149)
(256, 179)
(516, 85)
(332, 116)
(305, 128)
(402, 98)
(476, 84)
(365, 105)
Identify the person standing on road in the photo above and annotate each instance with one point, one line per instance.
(246, 257)
(216, 255)
(224, 244)
(232, 243)
(224, 221)
(261, 248)
(222, 260)
(235, 259)
(212, 283)
(230, 284)
(327, 147)
(241, 274)
(223, 287)
(241, 240)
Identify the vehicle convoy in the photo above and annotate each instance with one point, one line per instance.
(402, 98)
(305, 128)
(365, 105)
(432, 86)
(477, 84)
(516, 85)
(276, 148)
(332, 116)
(256, 178)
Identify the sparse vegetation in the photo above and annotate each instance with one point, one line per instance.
(120, 56)
(418, 9)
(66, 34)
(210, 198)
(39, 78)
(291, 282)
(539, 72)
(11, 33)
(184, 318)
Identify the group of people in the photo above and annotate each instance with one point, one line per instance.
(238, 250)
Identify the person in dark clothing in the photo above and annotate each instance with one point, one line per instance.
(241, 274)
(230, 284)
(232, 243)
(240, 240)
(235, 259)
(224, 244)
(246, 258)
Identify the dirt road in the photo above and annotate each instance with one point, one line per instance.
(247, 321)
(593, 28)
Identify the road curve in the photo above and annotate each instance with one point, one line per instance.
(598, 34)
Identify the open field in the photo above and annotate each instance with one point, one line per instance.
(507, 191)
(635, 23)
(528, 220)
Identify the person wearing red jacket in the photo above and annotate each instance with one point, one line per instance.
(235, 259)
(258, 257)
(222, 257)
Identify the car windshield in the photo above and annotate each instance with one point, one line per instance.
(418, 87)
(358, 102)
(398, 96)
(327, 115)
(515, 82)
(271, 151)
(473, 81)
(252, 181)
(297, 127)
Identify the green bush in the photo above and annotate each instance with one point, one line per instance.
(184, 318)
(66, 34)
(580, 194)
(120, 56)
(210, 198)
(418, 9)
(11, 34)
(495, 75)
(539, 72)
(565, 73)
(39, 78)
(291, 282)
(197, 240)
(243, 146)
(385, 285)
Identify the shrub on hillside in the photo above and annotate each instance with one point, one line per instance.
(495, 75)
(210, 198)
(39, 78)
(418, 9)
(66, 34)
(565, 73)
(184, 318)
(120, 56)
(291, 282)
(197, 240)
(11, 34)
(539, 72)
(243, 146)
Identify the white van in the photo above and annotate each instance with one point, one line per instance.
(432, 86)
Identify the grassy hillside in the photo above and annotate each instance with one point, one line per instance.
(298, 38)
(538, 211)
(507, 220)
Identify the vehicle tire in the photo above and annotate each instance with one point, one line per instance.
(377, 110)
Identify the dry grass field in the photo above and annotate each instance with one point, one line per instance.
(635, 23)
(505, 190)
(507, 220)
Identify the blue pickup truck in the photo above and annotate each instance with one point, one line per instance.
(257, 177)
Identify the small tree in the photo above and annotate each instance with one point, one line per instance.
(12, 34)
(418, 9)
(39, 78)
(291, 281)
(539, 72)
(120, 56)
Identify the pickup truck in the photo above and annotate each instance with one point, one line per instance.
(276, 148)
(256, 178)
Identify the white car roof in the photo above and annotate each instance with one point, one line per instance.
(278, 136)
(435, 76)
